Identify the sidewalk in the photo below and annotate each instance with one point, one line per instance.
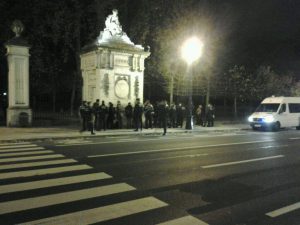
(49, 133)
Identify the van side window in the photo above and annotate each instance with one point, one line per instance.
(294, 108)
(283, 108)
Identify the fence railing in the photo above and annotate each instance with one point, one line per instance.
(43, 118)
(227, 113)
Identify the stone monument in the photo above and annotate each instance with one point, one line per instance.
(113, 66)
(19, 113)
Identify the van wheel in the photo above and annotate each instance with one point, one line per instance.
(276, 126)
(298, 128)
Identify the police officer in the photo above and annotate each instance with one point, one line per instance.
(96, 106)
(173, 115)
(164, 113)
(110, 115)
(210, 115)
(129, 114)
(90, 117)
(137, 115)
(149, 111)
(102, 116)
(119, 115)
(82, 110)
(180, 114)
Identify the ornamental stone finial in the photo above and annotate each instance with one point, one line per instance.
(17, 27)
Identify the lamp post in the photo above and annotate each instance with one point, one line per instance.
(191, 51)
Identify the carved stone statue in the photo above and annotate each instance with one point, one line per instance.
(113, 30)
(113, 25)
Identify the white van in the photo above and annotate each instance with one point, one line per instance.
(276, 112)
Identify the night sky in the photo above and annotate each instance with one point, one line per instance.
(266, 32)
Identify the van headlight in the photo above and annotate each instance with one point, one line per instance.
(268, 119)
(250, 119)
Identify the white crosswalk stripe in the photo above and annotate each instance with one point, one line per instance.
(33, 164)
(103, 213)
(187, 220)
(27, 158)
(52, 182)
(29, 173)
(53, 199)
(26, 153)
(20, 149)
(16, 146)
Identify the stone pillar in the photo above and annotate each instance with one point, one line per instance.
(19, 113)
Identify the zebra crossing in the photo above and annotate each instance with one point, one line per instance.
(42, 181)
(26, 167)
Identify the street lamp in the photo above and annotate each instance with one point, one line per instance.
(191, 51)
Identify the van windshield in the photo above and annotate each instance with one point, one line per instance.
(267, 107)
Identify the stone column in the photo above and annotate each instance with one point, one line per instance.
(19, 113)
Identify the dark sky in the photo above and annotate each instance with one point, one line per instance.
(267, 32)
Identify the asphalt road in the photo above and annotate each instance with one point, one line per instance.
(217, 179)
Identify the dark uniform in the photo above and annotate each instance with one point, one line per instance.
(119, 112)
(82, 112)
(173, 116)
(90, 118)
(129, 115)
(4, 106)
(180, 114)
(111, 116)
(210, 115)
(137, 115)
(96, 114)
(164, 114)
(149, 111)
(102, 116)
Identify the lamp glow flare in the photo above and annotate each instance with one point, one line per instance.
(191, 50)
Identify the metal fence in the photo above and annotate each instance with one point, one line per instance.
(44, 118)
(227, 113)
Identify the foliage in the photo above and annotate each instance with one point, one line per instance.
(57, 30)
(296, 90)
(238, 83)
(267, 83)
(54, 30)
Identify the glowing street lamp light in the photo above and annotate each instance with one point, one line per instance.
(191, 51)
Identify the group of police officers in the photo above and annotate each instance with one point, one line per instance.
(101, 117)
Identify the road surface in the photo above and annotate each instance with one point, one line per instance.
(219, 178)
